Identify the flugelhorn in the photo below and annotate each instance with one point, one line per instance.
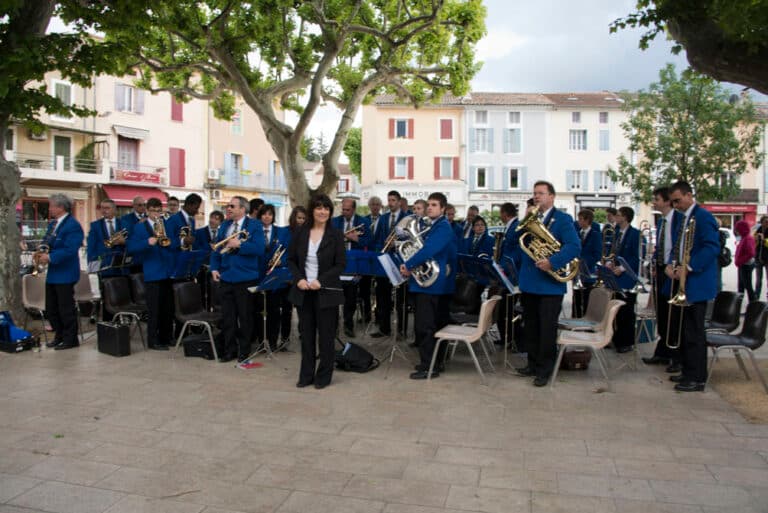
(115, 237)
(359, 229)
(241, 234)
(543, 245)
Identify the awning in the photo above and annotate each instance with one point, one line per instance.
(123, 195)
(39, 192)
(130, 132)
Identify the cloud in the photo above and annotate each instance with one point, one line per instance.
(498, 44)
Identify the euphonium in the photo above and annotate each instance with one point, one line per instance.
(543, 245)
(160, 233)
(110, 242)
(427, 273)
(275, 260)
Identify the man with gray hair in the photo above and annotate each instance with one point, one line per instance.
(63, 239)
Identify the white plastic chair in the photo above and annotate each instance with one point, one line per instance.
(468, 335)
(85, 294)
(598, 301)
(595, 341)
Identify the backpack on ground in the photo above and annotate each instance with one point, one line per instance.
(354, 358)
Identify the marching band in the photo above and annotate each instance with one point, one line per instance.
(544, 251)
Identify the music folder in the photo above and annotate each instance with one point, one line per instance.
(117, 260)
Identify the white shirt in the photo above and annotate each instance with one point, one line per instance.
(58, 223)
(509, 224)
(686, 218)
(393, 218)
(668, 235)
(546, 213)
(235, 226)
(311, 265)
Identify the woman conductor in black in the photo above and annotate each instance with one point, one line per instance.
(316, 259)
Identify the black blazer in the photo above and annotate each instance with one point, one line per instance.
(331, 261)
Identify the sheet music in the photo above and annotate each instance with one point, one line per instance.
(392, 270)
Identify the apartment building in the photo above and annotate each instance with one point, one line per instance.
(348, 185)
(414, 151)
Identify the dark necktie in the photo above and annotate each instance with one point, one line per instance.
(266, 236)
(582, 234)
(110, 228)
(662, 240)
(391, 221)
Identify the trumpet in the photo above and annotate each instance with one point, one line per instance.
(359, 229)
(241, 234)
(680, 299)
(160, 233)
(42, 249)
(115, 238)
(185, 232)
(390, 240)
(276, 257)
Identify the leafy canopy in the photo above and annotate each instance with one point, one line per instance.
(685, 128)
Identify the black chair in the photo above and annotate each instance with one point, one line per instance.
(465, 302)
(726, 311)
(138, 290)
(189, 309)
(751, 338)
(118, 303)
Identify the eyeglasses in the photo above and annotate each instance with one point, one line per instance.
(139, 204)
(232, 206)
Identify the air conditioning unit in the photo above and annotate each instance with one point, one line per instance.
(38, 137)
(216, 194)
(214, 174)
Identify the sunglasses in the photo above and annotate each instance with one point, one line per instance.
(232, 206)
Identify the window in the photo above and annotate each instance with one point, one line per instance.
(577, 140)
(481, 117)
(401, 128)
(481, 139)
(62, 147)
(63, 91)
(177, 167)
(236, 162)
(576, 117)
(577, 180)
(446, 167)
(9, 140)
(446, 129)
(727, 178)
(481, 178)
(605, 140)
(603, 182)
(513, 140)
(514, 118)
(603, 117)
(236, 126)
(342, 185)
(401, 167)
(127, 153)
(177, 110)
(129, 99)
(514, 178)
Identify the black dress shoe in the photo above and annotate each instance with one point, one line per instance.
(674, 367)
(525, 371)
(655, 360)
(320, 386)
(690, 386)
(63, 346)
(540, 381)
(226, 358)
(439, 367)
(53, 343)
(423, 374)
(677, 378)
(623, 349)
(159, 347)
(301, 384)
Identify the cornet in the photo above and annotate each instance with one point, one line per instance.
(359, 229)
(113, 240)
(160, 233)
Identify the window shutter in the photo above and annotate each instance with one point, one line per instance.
(177, 167)
(516, 143)
(177, 110)
(472, 140)
(437, 168)
(472, 178)
(227, 168)
(139, 105)
(410, 168)
(455, 168)
(119, 98)
(568, 180)
(391, 128)
(505, 178)
(522, 178)
(489, 181)
(490, 140)
(597, 180)
(391, 168)
(244, 179)
(507, 141)
(612, 186)
(410, 128)
(446, 129)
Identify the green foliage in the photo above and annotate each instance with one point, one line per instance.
(353, 149)
(684, 128)
(492, 218)
(600, 216)
(310, 149)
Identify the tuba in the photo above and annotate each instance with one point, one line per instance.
(427, 273)
(543, 245)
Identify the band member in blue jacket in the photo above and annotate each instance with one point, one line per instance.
(663, 355)
(432, 301)
(106, 230)
(510, 248)
(591, 248)
(450, 214)
(364, 286)
(480, 242)
(157, 263)
(388, 222)
(236, 266)
(542, 295)
(626, 244)
(184, 219)
(357, 233)
(701, 282)
(64, 238)
(276, 238)
(204, 237)
(128, 221)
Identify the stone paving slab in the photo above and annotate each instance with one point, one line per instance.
(156, 432)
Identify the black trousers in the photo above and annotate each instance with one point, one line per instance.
(384, 306)
(666, 320)
(745, 281)
(204, 281)
(237, 322)
(286, 314)
(624, 335)
(61, 312)
(693, 347)
(505, 312)
(431, 315)
(540, 314)
(581, 300)
(364, 293)
(350, 304)
(276, 312)
(318, 331)
(257, 318)
(159, 296)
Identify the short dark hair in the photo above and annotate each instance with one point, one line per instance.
(193, 199)
(682, 187)
(473, 207)
(254, 205)
(173, 198)
(318, 201)
(395, 194)
(479, 219)
(217, 214)
(627, 213)
(449, 205)
(550, 187)
(509, 209)
(422, 201)
(663, 192)
(155, 203)
(268, 207)
(440, 197)
(611, 210)
(586, 215)
(353, 200)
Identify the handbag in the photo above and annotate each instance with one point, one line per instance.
(354, 358)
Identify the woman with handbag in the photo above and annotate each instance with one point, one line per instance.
(316, 258)
(745, 259)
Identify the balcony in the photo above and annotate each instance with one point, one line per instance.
(253, 181)
(60, 168)
(132, 174)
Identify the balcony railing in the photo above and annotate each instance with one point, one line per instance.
(136, 173)
(256, 181)
(55, 163)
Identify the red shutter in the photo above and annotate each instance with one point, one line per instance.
(177, 167)
(391, 128)
(410, 128)
(437, 168)
(410, 168)
(446, 129)
(177, 110)
(391, 168)
(455, 168)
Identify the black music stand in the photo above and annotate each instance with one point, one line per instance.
(188, 263)
(390, 264)
(115, 260)
(585, 277)
(363, 263)
(277, 279)
(505, 274)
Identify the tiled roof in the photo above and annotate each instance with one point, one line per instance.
(475, 98)
(604, 99)
(343, 169)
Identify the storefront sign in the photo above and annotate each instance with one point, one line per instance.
(137, 176)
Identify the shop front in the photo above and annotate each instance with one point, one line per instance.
(729, 214)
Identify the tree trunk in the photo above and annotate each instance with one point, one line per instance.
(10, 251)
(299, 191)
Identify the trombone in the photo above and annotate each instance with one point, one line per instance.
(606, 250)
(680, 299)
